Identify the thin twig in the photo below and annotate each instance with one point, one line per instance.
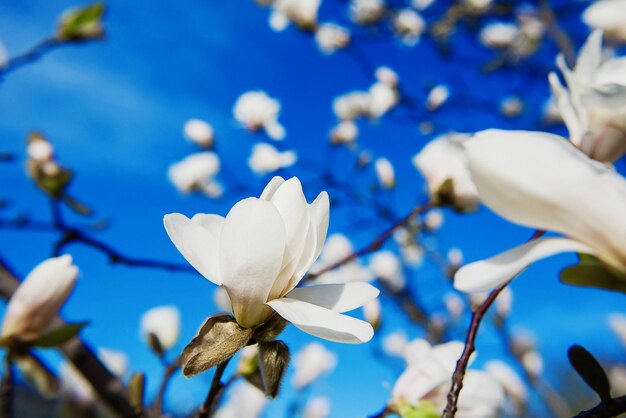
(157, 408)
(215, 392)
(30, 56)
(6, 389)
(609, 409)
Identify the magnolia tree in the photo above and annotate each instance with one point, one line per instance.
(521, 119)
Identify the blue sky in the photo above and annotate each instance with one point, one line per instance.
(115, 109)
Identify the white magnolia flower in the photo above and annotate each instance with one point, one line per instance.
(164, 323)
(199, 132)
(593, 105)
(498, 34)
(303, 13)
(511, 382)
(437, 96)
(221, 300)
(194, 171)
(311, 363)
(511, 106)
(515, 174)
(395, 344)
(365, 12)
(444, 159)
(259, 253)
(352, 105)
(382, 98)
(387, 267)
(318, 407)
(36, 302)
(256, 110)
(330, 37)
(455, 256)
(372, 311)
(533, 363)
(244, 401)
(385, 173)
(337, 247)
(426, 381)
(39, 149)
(617, 322)
(608, 15)
(434, 219)
(454, 305)
(114, 360)
(422, 4)
(504, 302)
(345, 132)
(409, 25)
(266, 158)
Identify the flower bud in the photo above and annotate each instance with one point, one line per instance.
(164, 323)
(199, 132)
(385, 172)
(437, 97)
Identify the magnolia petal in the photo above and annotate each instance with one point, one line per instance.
(590, 56)
(322, 322)
(196, 243)
(320, 209)
(210, 222)
(271, 187)
(336, 297)
(566, 108)
(486, 274)
(250, 257)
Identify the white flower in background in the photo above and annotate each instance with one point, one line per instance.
(248, 359)
(515, 174)
(259, 253)
(365, 12)
(385, 173)
(617, 322)
(511, 106)
(395, 344)
(608, 15)
(266, 158)
(511, 382)
(256, 110)
(425, 383)
(593, 105)
(164, 323)
(422, 4)
(532, 361)
(244, 401)
(387, 76)
(337, 247)
(311, 363)
(194, 171)
(409, 25)
(388, 268)
(498, 34)
(352, 105)
(36, 302)
(478, 6)
(437, 96)
(372, 311)
(114, 360)
(221, 300)
(454, 305)
(443, 160)
(199, 132)
(550, 112)
(330, 37)
(345, 132)
(382, 98)
(303, 13)
(39, 149)
(504, 302)
(214, 189)
(318, 407)
(455, 256)
(433, 219)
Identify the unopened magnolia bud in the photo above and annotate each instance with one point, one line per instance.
(82, 23)
(38, 148)
(164, 323)
(385, 172)
(371, 312)
(273, 362)
(199, 132)
(437, 97)
(248, 360)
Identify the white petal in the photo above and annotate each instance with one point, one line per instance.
(323, 322)
(336, 297)
(590, 56)
(250, 254)
(197, 244)
(566, 108)
(210, 222)
(321, 214)
(271, 187)
(486, 274)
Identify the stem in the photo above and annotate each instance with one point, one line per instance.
(215, 392)
(30, 56)
(6, 389)
(157, 408)
(609, 409)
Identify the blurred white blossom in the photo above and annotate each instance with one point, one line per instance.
(195, 171)
(388, 268)
(244, 401)
(608, 15)
(366, 12)
(511, 106)
(385, 173)
(303, 13)
(617, 322)
(310, 363)
(331, 37)
(199, 132)
(409, 25)
(437, 97)
(345, 132)
(395, 344)
(164, 323)
(266, 158)
(318, 407)
(498, 34)
(256, 110)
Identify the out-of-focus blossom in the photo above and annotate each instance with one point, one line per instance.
(424, 384)
(114, 360)
(365, 12)
(478, 6)
(583, 199)
(504, 302)
(395, 344)
(550, 111)
(303, 13)
(352, 105)
(498, 34)
(387, 267)
(244, 401)
(164, 323)
(454, 305)
(443, 162)
(199, 132)
(195, 171)
(256, 110)
(39, 149)
(511, 382)
(422, 4)
(383, 98)
(345, 132)
(318, 407)
(533, 363)
(433, 220)
(266, 158)
(617, 377)
(248, 359)
(259, 253)
(310, 363)
(455, 256)
(385, 173)
(337, 247)
(37, 300)
(437, 96)
(409, 25)
(372, 312)
(330, 37)
(608, 15)
(511, 106)
(617, 322)
(387, 76)
(593, 105)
